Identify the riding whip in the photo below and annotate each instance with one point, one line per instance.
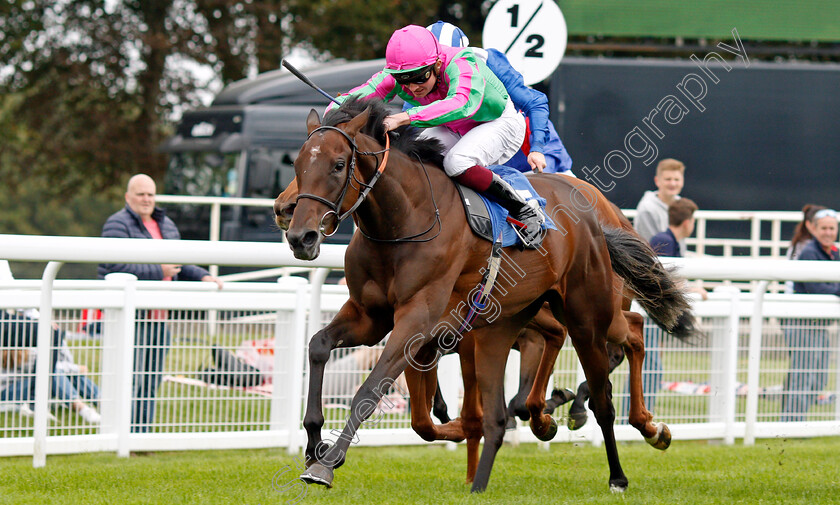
(306, 80)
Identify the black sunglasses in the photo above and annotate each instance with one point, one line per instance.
(419, 76)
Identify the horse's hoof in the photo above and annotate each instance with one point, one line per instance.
(617, 489)
(662, 439)
(318, 474)
(550, 432)
(576, 420)
(563, 396)
(510, 424)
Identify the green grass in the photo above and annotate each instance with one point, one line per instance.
(783, 471)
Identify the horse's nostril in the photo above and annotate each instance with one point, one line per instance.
(300, 238)
(310, 238)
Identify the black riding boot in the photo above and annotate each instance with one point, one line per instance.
(519, 209)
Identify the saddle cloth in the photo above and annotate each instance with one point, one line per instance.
(487, 217)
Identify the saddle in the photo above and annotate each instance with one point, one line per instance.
(477, 214)
(487, 219)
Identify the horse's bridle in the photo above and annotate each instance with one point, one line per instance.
(365, 188)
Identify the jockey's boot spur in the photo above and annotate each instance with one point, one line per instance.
(519, 210)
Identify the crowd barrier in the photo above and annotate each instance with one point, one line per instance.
(729, 384)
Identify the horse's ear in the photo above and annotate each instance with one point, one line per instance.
(313, 120)
(357, 123)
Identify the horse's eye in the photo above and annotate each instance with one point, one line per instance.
(339, 165)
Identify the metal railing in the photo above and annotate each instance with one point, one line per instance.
(740, 364)
(755, 241)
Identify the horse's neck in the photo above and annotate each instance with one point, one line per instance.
(401, 203)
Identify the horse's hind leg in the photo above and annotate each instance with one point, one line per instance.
(595, 364)
(439, 407)
(577, 412)
(543, 425)
(657, 435)
(530, 344)
(589, 336)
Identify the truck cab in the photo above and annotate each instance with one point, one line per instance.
(244, 145)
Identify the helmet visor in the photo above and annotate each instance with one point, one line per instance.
(416, 76)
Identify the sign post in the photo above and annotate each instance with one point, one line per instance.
(531, 33)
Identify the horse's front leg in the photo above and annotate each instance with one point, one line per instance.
(402, 346)
(349, 328)
(492, 347)
(422, 386)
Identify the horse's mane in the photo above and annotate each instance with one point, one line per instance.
(403, 138)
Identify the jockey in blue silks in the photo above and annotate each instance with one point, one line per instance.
(543, 150)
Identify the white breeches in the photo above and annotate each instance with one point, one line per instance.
(491, 143)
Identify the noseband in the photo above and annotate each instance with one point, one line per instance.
(365, 188)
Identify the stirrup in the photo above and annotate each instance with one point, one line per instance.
(531, 235)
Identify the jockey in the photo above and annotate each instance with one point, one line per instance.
(543, 151)
(457, 100)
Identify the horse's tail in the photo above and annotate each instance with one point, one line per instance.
(655, 289)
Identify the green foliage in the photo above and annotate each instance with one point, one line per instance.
(29, 210)
(776, 471)
(87, 88)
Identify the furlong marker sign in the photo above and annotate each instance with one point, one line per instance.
(531, 33)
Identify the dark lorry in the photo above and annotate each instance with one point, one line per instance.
(244, 145)
(767, 138)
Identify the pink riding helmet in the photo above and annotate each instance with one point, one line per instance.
(410, 48)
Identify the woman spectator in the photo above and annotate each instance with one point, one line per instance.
(801, 235)
(807, 339)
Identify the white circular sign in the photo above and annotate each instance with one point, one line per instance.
(531, 33)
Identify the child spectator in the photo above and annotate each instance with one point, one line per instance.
(652, 211)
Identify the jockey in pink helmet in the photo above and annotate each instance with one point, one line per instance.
(460, 102)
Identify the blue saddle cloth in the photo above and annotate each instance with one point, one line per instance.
(498, 214)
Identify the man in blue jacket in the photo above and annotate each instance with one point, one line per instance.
(142, 219)
(543, 150)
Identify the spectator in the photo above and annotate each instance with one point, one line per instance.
(801, 236)
(666, 243)
(72, 386)
(17, 379)
(142, 219)
(652, 211)
(542, 151)
(807, 339)
(680, 227)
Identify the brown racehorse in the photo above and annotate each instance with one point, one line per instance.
(530, 343)
(408, 273)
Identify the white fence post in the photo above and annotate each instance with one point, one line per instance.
(316, 281)
(43, 366)
(718, 380)
(730, 375)
(119, 374)
(754, 362)
(449, 381)
(511, 387)
(298, 339)
(284, 363)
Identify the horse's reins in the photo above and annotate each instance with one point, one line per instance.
(365, 188)
(413, 238)
(336, 207)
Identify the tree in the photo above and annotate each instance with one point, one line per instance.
(88, 88)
